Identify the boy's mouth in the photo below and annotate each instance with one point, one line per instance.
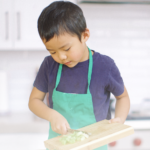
(67, 63)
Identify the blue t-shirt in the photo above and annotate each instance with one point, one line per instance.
(105, 79)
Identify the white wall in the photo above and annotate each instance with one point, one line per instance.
(20, 67)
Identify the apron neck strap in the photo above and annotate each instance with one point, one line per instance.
(58, 75)
(89, 72)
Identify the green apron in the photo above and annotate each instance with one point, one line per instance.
(76, 108)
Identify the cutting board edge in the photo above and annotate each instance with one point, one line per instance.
(111, 139)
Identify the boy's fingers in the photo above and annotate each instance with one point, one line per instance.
(67, 126)
(115, 120)
(109, 121)
(58, 130)
(64, 129)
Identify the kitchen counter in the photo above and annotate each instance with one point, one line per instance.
(23, 131)
(23, 123)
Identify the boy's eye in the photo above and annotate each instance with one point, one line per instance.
(67, 49)
(53, 52)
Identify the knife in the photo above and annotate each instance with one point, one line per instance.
(73, 130)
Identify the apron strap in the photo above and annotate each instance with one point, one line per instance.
(89, 72)
(90, 69)
(58, 75)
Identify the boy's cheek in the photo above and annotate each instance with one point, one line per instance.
(76, 56)
(56, 58)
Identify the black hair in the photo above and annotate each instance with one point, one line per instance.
(60, 17)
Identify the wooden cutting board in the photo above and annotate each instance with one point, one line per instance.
(102, 133)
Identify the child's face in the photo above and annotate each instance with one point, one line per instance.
(67, 49)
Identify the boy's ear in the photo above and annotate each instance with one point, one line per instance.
(85, 35)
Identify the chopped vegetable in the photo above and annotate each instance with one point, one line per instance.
(73, 137)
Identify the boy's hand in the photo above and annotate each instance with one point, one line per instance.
(59, 123)
(116, 120)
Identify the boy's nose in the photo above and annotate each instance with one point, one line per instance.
(62, 56)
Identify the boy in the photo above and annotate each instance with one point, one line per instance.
(79, 80)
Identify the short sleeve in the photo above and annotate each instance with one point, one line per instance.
(41, 80)
(115, 82)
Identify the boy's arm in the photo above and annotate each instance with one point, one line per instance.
(59, 124)
(122, 107)
(37, 106)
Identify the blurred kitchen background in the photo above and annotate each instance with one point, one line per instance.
(119, 29)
